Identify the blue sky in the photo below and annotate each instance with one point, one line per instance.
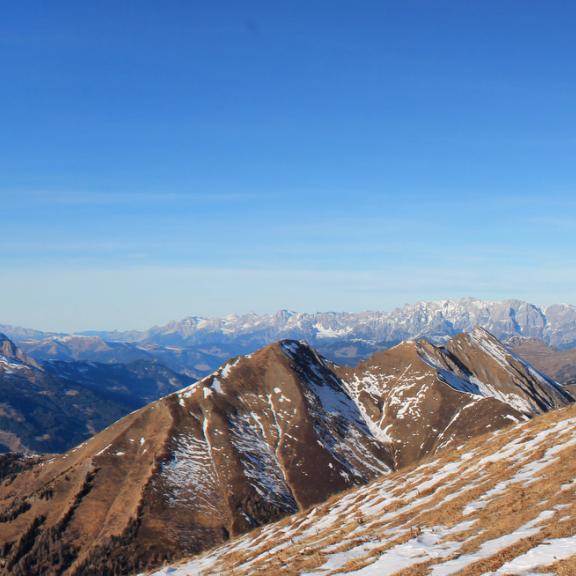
(164, 159)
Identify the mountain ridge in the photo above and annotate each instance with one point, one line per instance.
(554, 324)
(265, 435)
(195, 346)
(52, 406)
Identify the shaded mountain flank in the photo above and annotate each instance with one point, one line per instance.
(266, 435)
(559, 364)
(52, 407)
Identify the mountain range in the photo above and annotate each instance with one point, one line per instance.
(555, 325)
(196, 346)
(97, 378)
(266, 435)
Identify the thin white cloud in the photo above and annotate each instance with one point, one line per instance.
(94, 198)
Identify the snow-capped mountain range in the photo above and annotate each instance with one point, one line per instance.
(195, 346)
(555, 324)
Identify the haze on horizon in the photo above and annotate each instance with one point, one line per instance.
(160, 161)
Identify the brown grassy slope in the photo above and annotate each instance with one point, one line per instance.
(469, 511)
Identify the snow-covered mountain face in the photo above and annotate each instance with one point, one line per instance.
(264, 436)
(556, 325)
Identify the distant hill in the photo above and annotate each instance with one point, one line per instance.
(193, 363)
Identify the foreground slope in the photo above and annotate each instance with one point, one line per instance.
(501, 504)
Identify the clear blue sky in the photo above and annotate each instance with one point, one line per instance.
(163, 159)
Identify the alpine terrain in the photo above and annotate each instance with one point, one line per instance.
(195, 346)
(501, 504)
(560, 364)
(265, 436)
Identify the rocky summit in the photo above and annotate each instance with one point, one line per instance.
(419, 397)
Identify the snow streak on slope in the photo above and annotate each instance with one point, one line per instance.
(502, 504)
(259, 462)
(189, 475)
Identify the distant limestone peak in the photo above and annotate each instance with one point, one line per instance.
(10, 351)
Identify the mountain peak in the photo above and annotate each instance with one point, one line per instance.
(265, 435)
(7, 347)
(11, 352)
